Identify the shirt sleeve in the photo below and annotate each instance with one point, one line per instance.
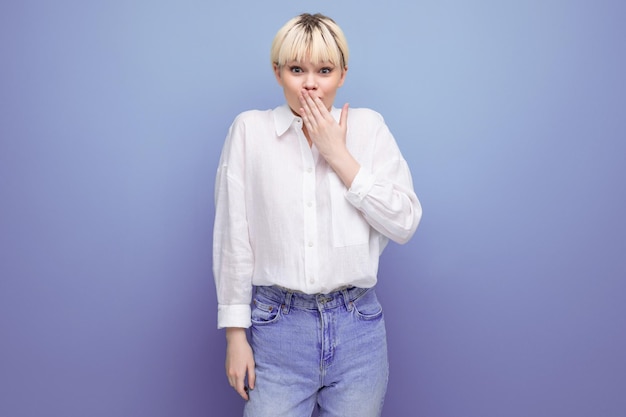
(233, 260)
(383, 190)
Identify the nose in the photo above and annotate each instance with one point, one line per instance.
(310, 83)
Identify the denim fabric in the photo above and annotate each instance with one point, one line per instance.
(328, 350)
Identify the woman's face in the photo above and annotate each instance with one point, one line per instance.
(322, 79)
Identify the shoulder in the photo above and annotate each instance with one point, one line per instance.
(365, 118)
(364, 114)
(253, 117)
(251, 128)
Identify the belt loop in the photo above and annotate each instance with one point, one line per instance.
(346, 299)
(287, 302)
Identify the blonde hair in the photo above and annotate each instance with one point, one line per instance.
(316, 37)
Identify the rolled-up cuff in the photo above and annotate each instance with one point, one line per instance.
(237, 315)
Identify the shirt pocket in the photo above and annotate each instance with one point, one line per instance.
(349, 227)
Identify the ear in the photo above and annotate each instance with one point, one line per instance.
(277, 74)
(343, 76)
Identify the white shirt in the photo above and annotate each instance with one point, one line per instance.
(283, 217)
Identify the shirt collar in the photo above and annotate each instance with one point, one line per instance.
(284, 118)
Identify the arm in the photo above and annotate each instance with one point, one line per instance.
(233, 259)
(233, 262)
(383, 192)
(386, 199)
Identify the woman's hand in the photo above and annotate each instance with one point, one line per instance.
(239, 361)
(328, 136)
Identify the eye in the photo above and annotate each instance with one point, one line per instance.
(326, 70)
(295, 69)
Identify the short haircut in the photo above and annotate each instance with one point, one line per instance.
(316, 37)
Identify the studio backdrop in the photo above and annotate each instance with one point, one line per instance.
(510, 300)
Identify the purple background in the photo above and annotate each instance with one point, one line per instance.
(509, 301)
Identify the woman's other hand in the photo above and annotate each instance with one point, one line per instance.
(239, 361)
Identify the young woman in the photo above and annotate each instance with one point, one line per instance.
(307, 197)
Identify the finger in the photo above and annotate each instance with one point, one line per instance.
(305, 111)
(241, 389)
(313, 105)
(251, 376)
(321, 108)
(237, 382)
(305, 100)
(306, 119)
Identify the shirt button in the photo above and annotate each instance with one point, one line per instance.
(309, 170)
(309, 204)
(310, 244)
(312, 280)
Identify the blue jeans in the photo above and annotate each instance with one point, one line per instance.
(328, 350)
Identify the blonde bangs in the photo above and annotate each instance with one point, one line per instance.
(320, 43)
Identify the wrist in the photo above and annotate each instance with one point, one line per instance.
(346, 167)
(235, 334)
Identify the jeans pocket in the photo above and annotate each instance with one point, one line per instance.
(367, 306)
(264, 313)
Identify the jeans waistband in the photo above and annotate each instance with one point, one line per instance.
(290, 298)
